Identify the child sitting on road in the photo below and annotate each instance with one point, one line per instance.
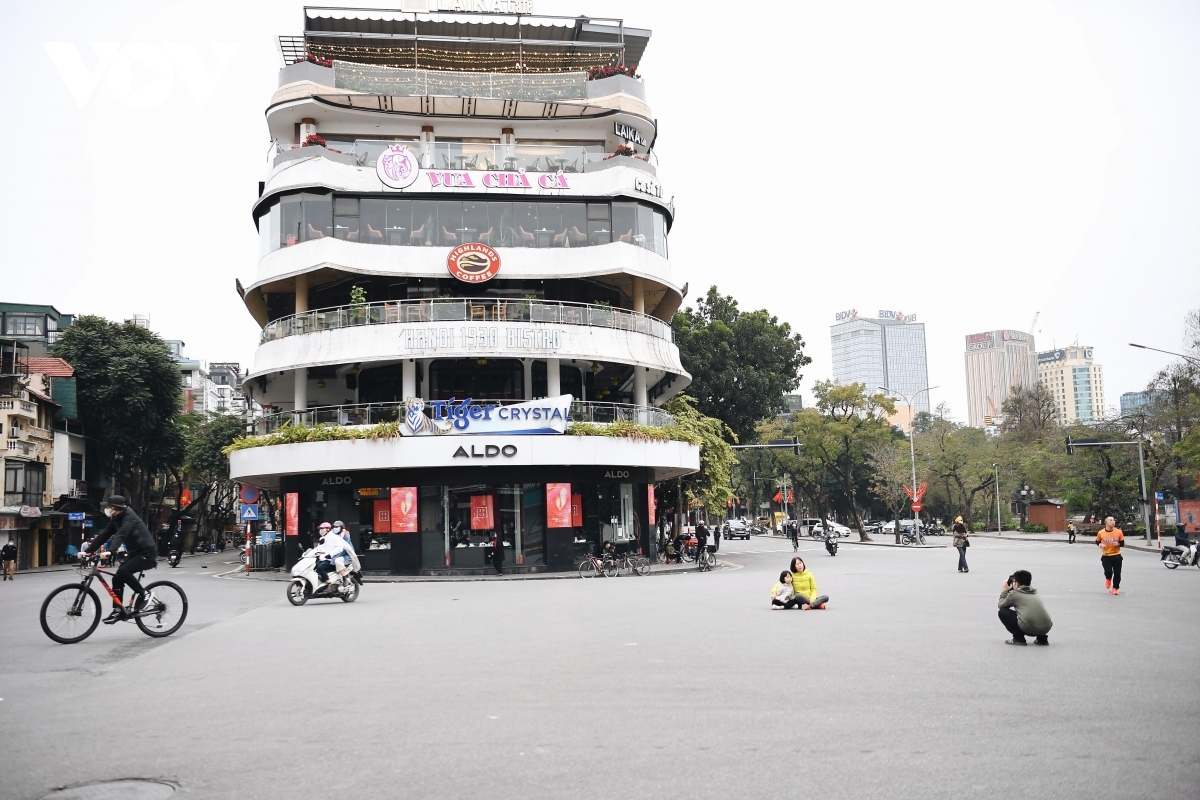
(782, 596)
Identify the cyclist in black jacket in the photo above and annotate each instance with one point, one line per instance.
(125, 528)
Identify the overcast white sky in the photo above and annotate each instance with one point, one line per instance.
(972, 163)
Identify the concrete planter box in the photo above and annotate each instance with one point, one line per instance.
(617, 84)
(620, 161)
(306, 71)
(315, 152)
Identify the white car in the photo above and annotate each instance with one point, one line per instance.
(808, 526)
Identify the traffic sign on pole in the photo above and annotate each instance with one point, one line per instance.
(916, 507)
(249, 494)
(250, 512)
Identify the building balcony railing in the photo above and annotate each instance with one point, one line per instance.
(465, 310)
(12, 404)
(469, 156)
(22, 447)
(375, 413)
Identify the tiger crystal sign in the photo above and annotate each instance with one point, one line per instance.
(548, 415)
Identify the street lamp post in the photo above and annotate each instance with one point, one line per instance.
(999, 527)
(1168, 352)
(912, 453)
(1026, 496)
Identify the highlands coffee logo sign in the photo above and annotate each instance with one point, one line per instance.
(397, 167)
(473, 262)
(457, 417)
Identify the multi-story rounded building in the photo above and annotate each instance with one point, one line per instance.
(464, 240)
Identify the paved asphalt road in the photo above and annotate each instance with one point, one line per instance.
(679, 685)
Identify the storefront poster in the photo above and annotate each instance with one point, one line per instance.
(292, 503)
(558, 505)
(483, 512)
(404, 509)
(383, 516)
(650, 513)
(1189, 515)
(576, 511)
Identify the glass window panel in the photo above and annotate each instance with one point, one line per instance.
(549, 230)
(597, 211)
(346, 228)
(450, 226)
(660, 234)
(599, 232)
(624, 222)
(645, 232)
(574, 224)
(500, 220)
(345, 207)
(318, 218)
(525, 215)
(398, 226)
(291, 221)
(372, 217)
(424, 222)
(475, 222)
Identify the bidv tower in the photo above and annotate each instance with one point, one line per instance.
(463, 252)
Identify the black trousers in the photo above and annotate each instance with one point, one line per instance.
(794, 602)
(1112, 569)
(1009, 617)
(127, 573)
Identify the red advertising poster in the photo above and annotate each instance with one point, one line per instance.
(404, 509)
(558, 505)
(576, 511)
(1189, 515)
(292, 501)
(383, 516)
(483, 512)
(650, 514)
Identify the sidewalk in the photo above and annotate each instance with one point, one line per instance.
(1060, 537)
(655, 569)
(883, 540)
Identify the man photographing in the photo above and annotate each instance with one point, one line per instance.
(1022, 612)
(125, 528)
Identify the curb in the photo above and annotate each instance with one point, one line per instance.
(1078, 540)
(900, 546)
(281, 576)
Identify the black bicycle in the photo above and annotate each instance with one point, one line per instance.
(71, 613)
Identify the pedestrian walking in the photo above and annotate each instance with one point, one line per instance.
(961, 542)
(1022, 611)
(8, 555)
(1070, 533)
(1110, 540)
(716, 539)
(794, 534)
(498, 555)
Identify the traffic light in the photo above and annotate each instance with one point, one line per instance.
(796, 445)
(1070, 448)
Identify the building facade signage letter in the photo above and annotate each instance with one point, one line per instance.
(452, 416)
(629, 134)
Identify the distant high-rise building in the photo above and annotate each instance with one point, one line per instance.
(1132, 402)
(1075, 383)
(996, 362)
(888, 350)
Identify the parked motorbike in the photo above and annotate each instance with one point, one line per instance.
(1175, 556)
(306, 583)
(831, 544)
(173, 558)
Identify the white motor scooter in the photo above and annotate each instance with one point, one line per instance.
(306, 583)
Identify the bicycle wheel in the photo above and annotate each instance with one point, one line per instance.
(62, 621)
(643, 566)
(708, 561)
(662, 556)
(165, 612)
(587, 569)
(610, 568)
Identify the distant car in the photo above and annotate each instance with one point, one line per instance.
(815, 527)
(735, 529)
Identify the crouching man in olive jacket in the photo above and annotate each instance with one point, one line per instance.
(1021, 610)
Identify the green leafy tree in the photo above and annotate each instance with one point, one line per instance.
(207, 464)
(711, 484)
(741, 363)
(845, 424)
(129, 401)
(1029, 413)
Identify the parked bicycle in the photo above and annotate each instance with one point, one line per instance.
(595, 565)
(71, 612)
(636, 564)
(707, 560)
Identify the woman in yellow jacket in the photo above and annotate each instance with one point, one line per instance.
(805, 587)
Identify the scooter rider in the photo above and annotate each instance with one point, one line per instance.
(125, 527)
(333, 545)
(339, 527)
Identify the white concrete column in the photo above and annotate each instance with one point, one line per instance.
(301, 389)
(639, 295)
(308, 127)
(553, 384)
(427, 147)
(408, 380)
(639, 387)
(508, 143)
(527, 365)
(302, 293)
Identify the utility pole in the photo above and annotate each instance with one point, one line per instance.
(999, 527)
(912, 453)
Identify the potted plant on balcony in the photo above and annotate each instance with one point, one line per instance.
(600, 73)
(358, 305)
(601, 313)
(313, 140)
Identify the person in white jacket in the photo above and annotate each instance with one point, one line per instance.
(333, 545)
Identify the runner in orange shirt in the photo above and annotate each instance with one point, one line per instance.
(1111, 540)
